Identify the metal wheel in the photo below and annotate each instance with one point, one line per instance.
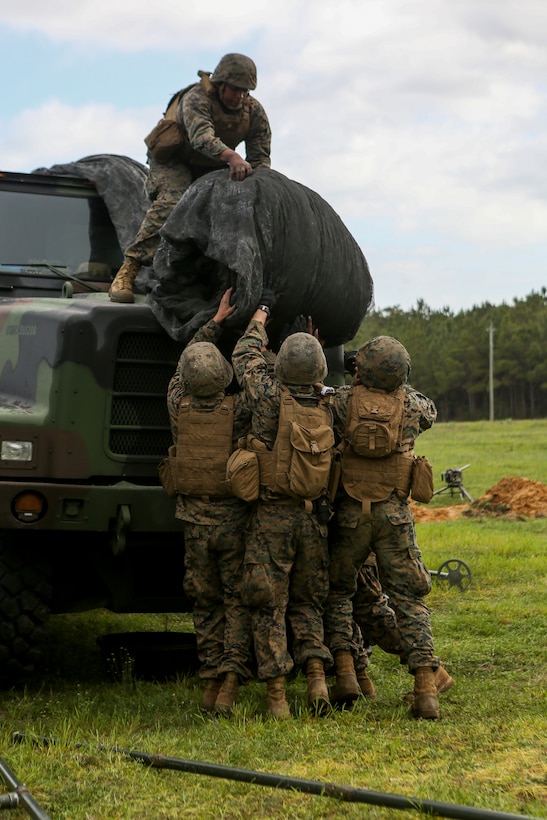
(456, 572)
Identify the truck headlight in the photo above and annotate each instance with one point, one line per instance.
(16, 451)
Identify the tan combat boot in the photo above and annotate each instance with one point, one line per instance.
(121, 289)
(318, 694)
(443, 681)
(365, 684)
(227, 695)
(425, 704)
(277, 702)
(212, 688)
(346, 689)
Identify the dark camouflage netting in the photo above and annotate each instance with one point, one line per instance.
(120, 182)
(267, 231)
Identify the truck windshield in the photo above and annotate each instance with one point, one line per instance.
(70, 232)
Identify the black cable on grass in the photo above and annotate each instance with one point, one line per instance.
(347, 794)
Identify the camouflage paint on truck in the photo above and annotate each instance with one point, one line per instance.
(84, 384)
(84, 521)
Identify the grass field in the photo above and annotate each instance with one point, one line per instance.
(493, 450)
(488, 752)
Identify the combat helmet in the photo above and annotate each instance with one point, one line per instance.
(384, 363)
(300, 360)
(237, 70)
(203, 370)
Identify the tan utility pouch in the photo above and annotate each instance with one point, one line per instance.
(242, 474)
(311, 460)
(166, 472)
(166, 138)
(421, 487)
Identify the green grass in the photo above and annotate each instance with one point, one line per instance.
(488, 751)
(494, 450)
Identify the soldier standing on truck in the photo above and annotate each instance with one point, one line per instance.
(199, 132)
(207, 425)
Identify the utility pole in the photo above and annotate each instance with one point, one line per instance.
(491, 369)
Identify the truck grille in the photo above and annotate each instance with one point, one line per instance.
(139, 421)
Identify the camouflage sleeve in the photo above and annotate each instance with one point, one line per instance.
(428, 411)
(248, 360)
(174, 396)
(209, 332)
(242, 418)
(261, 388)
(420, 415)
(259, 140)
(196, 115)
(340, 407)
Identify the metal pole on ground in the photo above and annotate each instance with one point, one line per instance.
(20, 795)
(348, 794)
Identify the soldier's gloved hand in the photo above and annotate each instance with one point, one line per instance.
(267, 298)
(350, 361)
(299, 324)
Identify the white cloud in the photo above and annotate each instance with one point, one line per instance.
(59, 133)
(427, 117)
(132, 25)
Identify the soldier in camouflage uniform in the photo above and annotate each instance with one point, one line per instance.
(214, 525)
(374, 514)
(214, 115)
(375, 622)
(287, 553)
(376, 625)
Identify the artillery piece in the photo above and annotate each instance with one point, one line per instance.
(454, 484)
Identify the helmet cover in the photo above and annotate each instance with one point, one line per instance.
(383, 363)
(203, 369)
(237, 70)
(301, 360)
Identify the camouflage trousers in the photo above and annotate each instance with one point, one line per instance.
(165, 185)
(375, 622)
(214, 563)
(389, 532)
(285, 580)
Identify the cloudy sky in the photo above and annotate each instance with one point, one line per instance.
(423, 123)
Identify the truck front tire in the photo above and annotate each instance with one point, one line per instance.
(25, 594)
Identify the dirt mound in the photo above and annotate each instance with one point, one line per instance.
(511, 498)
(516, 497)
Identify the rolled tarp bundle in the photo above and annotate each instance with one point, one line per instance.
(266, 231)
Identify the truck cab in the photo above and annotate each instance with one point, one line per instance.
(84, 520)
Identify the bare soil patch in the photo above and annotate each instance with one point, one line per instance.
(511, 497)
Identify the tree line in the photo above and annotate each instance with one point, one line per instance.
(461, 360)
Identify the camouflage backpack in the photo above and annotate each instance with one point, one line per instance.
(304, 448)
(374, 421)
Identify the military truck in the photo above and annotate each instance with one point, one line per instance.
(84, 521)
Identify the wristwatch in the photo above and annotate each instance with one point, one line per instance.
(265, 308)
